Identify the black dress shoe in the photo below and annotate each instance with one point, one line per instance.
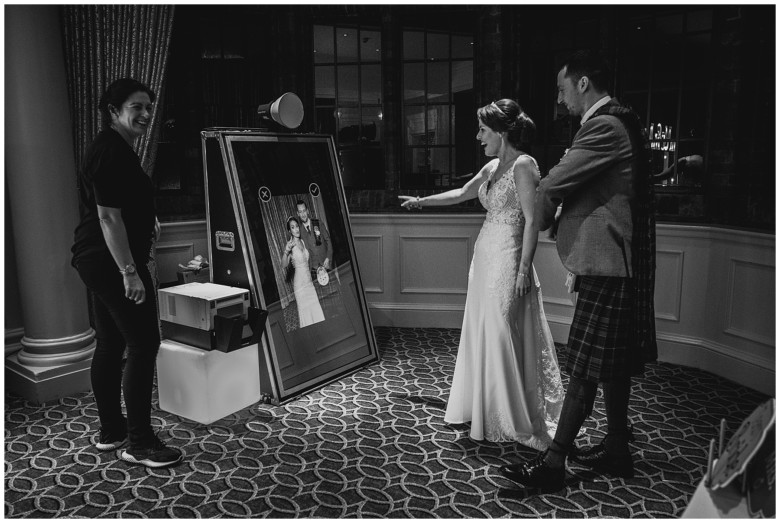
(600, 460)
(535, 473)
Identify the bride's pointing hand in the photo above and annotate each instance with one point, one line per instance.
(410, 202)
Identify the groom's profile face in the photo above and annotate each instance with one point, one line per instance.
(568, 94)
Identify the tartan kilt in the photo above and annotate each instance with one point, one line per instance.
(601, 344)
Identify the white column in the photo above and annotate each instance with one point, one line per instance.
(41, 175)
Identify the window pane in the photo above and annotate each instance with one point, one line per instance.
(666, 64)
(438, 82)
(371, 84)
(348, 84)
(440, 161)
(372, 125)
(636, 67)
(438, 46)
(462, 76)
(323, 44)
(663, 110)
(346, 45)
(414, 82)
(462, 47)
(414, 120)
(326, 121)
(691, 176)
(324, 85)
(413, 45)
(416, 160)
(693, 114)
(349, 159)
(697, 60)
(349, 125)
(439, 125)
(370, 46)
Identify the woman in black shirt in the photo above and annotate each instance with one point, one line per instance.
(111, 250)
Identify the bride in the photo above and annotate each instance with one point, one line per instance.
(295, 252)
(507, 383)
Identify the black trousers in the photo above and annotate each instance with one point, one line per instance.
(120, 324)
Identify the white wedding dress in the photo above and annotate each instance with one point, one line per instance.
(507, 383)
(309, 309)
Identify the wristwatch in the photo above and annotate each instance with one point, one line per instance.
(129, 269)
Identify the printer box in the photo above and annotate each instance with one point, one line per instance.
(196, 304)
(228, 335)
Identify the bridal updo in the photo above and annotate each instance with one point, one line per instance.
(507, 116)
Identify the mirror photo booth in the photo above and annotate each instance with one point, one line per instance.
(278, 226)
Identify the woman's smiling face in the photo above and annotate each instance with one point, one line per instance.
(490, 139)
(295, 230)
(132, 119)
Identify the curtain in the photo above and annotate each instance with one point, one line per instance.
(104, 43)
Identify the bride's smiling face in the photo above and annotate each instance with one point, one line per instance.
(295, 230)
(490, 139)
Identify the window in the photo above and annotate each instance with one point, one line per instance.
(348, 99)
(666, 79)
(439, 112)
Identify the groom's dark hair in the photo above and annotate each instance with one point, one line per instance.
(590, 63)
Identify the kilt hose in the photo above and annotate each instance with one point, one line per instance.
(601, 339)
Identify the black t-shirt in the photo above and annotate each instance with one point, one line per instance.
(111, 176)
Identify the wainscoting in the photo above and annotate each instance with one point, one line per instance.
(715, 288)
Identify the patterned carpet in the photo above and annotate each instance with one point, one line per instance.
(369, 445)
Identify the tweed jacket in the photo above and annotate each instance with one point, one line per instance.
(317, 253)
(594, 183)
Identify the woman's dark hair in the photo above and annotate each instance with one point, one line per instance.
(507, 116)
(117, 93)
(592, 64)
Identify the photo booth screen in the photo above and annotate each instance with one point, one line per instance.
(276, 202)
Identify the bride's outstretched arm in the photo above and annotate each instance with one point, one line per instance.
(467, 192)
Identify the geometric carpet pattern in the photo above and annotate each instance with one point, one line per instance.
(370, 445)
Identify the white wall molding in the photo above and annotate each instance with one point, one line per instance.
(371, 249)
(722, 360)
(714, 286)
(420, 255)
(669, 269)
(763, 272)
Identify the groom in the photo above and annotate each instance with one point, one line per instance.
(316, 238)
(606, 239)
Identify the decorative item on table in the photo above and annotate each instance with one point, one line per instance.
(750, 457)
(196, 270)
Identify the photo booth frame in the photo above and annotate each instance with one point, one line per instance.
(254, 181)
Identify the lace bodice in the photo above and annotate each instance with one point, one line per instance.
(300, 258)
(501, 201)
